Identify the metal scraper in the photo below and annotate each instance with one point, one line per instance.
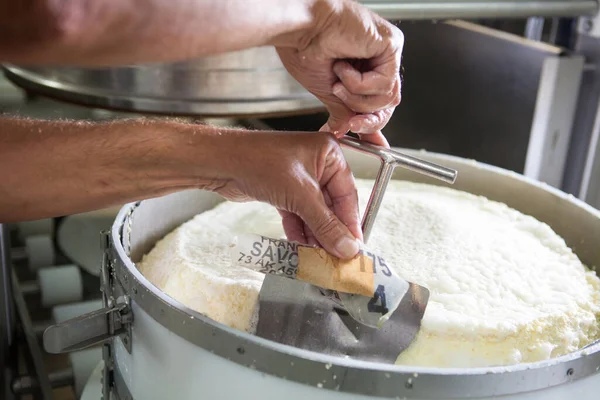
(300, 314)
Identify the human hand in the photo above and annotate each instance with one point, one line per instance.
(307, 178)
(350, 60)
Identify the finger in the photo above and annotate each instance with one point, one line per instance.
(330, 232)
(296, 230)
(328, 229)
(339, 117)
(327, 198)
(340, 193)
(371, 123)
(343, 197)
(374, 75)
(311, 239)
(388, 62)
(329, 203)
(366, 104)
(355, 225)
(376, 138)
(293, 227)
(372, 82)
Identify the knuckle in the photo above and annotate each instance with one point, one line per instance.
(325, 140)
(397, 98)
(324, 155)
(398, 36)
(325, 226)
(334, 161)
(393, 35)
(335, 155)
(393, 84)
(388, 85)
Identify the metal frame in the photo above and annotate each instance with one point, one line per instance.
(7, 317)
(589, 46)
(553, 118)
(590, 186)
(534, 28)
(582, 172)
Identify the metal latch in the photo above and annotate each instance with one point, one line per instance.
(89, 329)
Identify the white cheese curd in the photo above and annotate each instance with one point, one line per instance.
(505, 288)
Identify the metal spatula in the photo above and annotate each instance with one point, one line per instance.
(308, 317)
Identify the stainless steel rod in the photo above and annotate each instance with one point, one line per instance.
(425, 167)
(412, 163)
(390, 159)
(424, 10)
(383, 177)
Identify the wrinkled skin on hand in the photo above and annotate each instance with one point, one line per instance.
(352, 64)
(304, 175)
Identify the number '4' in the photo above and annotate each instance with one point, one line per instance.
(377, 303)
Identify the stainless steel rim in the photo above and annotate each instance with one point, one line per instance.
(294, 104)
(343, 374)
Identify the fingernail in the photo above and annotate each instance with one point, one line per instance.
(325, 128)
(347, 247)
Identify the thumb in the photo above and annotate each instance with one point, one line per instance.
(331, 233)
(338, 122)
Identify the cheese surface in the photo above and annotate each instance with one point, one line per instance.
(504, 287)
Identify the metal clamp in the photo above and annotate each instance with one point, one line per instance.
(88, 330)
(390, 159)
(97, 327)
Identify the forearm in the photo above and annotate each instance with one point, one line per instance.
(58, 168)
(134, 31)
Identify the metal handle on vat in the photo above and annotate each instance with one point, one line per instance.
(87, 330)
(390, 159)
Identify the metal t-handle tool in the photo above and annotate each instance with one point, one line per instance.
(299, 314)
(390, 159)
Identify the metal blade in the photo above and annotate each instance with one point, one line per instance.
(298, 314)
